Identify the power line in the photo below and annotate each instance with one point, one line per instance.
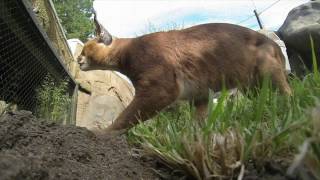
(246, 19)
(271, 5)
(265, 9)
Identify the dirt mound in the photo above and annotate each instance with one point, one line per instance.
(32, 148)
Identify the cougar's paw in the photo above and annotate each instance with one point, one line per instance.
(106, 133)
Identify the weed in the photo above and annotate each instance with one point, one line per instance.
(53, 101)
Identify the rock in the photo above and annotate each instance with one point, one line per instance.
(84, 85)
(300, 23)
(101, 112)
(102, 97)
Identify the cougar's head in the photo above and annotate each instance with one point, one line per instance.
(97, 53)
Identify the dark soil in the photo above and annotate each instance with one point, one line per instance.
(32, 148)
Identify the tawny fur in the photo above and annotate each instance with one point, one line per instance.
(184, 64)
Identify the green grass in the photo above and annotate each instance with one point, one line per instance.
(53, 100)
(246, 128)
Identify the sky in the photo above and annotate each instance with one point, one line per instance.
(130, 18)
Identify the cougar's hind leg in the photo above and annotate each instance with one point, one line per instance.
(270, 66)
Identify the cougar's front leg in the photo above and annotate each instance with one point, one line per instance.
(201, 109)
(147, 102)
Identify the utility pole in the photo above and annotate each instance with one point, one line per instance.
(258, 18)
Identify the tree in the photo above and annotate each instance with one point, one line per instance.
(75, 17)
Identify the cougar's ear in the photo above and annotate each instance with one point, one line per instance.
(102, 34)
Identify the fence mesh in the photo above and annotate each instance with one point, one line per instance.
(32, 76)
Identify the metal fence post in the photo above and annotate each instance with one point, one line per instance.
(74, 102)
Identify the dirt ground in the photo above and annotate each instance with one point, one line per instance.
(34, 149)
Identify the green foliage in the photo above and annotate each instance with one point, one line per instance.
(53, 101)
(309, 151)
(75, 17)
(254, 127)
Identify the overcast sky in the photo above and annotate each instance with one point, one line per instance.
(129, 18)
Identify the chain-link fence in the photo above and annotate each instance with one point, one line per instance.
(49, 21)
(32, 75)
